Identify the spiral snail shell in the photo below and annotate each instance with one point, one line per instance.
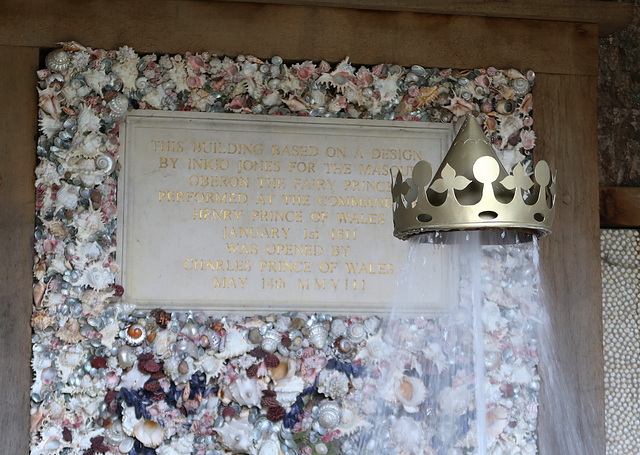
(356, 333)
(57, 61)
(329, 415)
(135, 334)
(318, 336)
(270, 340)
(105, 163)
(118, 106)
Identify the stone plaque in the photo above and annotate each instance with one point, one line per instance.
(224, 212)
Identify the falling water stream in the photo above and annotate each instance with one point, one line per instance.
(467, 308)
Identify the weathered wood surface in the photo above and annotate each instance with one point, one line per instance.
(17, 196)
(619, 207)
(565, 123)
(610, 16)
(305, 32)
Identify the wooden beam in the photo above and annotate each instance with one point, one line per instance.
(610, 16)
(571, 357)
(17, 198)
(619, 207)
(307, 32)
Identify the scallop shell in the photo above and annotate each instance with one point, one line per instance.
(234, 345)
(333, 384)
(135, 334)
(57, 61)
(245, 391)
(411, 393)
(356, 333)
(318, 336)
(271, 340)
(149, 433)
(329, 415)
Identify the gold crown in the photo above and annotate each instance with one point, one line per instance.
(472, 190)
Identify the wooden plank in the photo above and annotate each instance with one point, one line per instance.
(619, 207)
(610, 16)
(17, 196)
(315, 33)
(566, 127)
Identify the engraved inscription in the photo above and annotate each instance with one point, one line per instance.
(225, 212)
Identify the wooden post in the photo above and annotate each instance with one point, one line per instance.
(17, 200)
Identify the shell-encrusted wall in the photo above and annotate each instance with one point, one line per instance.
(621, 333)
(109, 378)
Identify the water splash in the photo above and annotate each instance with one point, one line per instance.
(460, 342)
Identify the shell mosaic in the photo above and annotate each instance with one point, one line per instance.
(621, 338)
(109, 378)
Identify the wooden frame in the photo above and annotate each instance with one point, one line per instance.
(564, 55)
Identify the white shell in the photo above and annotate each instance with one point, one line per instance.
(287, 391)
(270, 447)
(235, 345)
(105, 163)
(149, 433)
(67, 196)
(356, 333)
(163, 341)
(410, 392)
(270, 341)
(119, 106)
(245, 391)
(89, 223)
(129, 420)
(57, 61)
(329, 415)
(236, 436)
(338, 327)
(408, 435)
(352, 421)
(87, 146)
(333, 384)
(97, 277)
(318, 336)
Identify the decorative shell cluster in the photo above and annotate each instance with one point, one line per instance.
(109, 378)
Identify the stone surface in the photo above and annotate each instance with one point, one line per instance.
(225, 213)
